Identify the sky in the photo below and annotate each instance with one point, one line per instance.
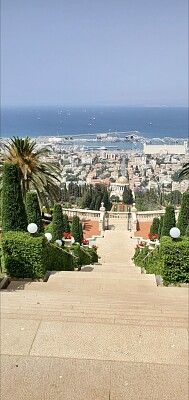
(94, 52)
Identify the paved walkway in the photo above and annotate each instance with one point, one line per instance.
(105, 333)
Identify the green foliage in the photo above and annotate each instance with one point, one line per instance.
(183, 218)
(30, 257)
(57, 259)
(147, 201)
(175, 256)
(140, 256)
(160, 226)
(81, 231)
(33, 210)
(22, 255)
(83, 255)
(93, 255)
(76, 229)
(127, 195)
(13, 210)
(187, 231)
(66, 225)
(49, 228)
(154, 262)
(57, 222)
(155, 226)
(169, 220)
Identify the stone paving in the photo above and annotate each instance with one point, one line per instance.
(104, 333)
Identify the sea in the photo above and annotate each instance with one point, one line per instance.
(149, 122)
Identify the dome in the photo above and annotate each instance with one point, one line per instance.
(122, 180)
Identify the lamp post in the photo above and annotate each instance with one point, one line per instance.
(48, 236)
(32, 228)
(174, 233)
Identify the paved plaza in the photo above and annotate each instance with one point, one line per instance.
(104, 333)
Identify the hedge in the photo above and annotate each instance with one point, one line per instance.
(84, 257)
(93, 255)
(22, 255)
(57, 222)
(57, 259)
(25, 256)
(175, 256)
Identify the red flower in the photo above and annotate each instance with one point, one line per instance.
(85, 242)
(67, 235)
(94, 247)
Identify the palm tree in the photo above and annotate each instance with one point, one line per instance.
(185, 172)
(35, 173)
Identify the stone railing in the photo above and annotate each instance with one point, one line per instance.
(82, 213)
(150, 215)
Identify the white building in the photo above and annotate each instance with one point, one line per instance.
(117, 188)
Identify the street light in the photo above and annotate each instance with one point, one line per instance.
(59, 242)
(174, 233)
(48, 236)
(32, 228)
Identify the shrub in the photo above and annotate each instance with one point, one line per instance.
(57, 259)
(84, 257)
(183, 218)
(76, 229)
(33, 210)
(169, 220)
(187, 231)
(66, 225)
(175, 257)
(13, 210)
(57, 222)
(160, 226)
(22, 255)
(155, 226)
(140, 257)
(49, 228)
(93, 254)
(154, 262)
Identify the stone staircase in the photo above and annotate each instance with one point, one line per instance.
(104, 333)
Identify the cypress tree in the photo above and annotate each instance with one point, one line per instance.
(154, 229)
(81, 231)
(169, 220)
(13, 210)
(66, 225)
(33, 210)
(127, 196)
(57, 222)
(183, 218)
(76, 229)
(160, 226)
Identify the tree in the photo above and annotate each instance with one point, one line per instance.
(76, 229)
(66, 225)
(127, 196)
(81, 231)
(184, 173)
(155, 226)
(183, 218)
(160, 226)
(34, 173)
(33, 210)
(169, 220)
(86, 200)
(57, 220)
(13, 210)
(106, 201)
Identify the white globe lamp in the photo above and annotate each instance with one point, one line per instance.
(48, 236)
(59, 242)
(32, 228)
(174, 233)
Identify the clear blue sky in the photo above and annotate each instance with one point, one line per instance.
(94, 52)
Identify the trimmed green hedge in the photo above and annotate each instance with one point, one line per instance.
(84, 257)
(25, 256)
(175, 256)
(22, 255)
(57, 259)
(93, 255)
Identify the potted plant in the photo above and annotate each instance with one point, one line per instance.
(85, 243)
(67, 238)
